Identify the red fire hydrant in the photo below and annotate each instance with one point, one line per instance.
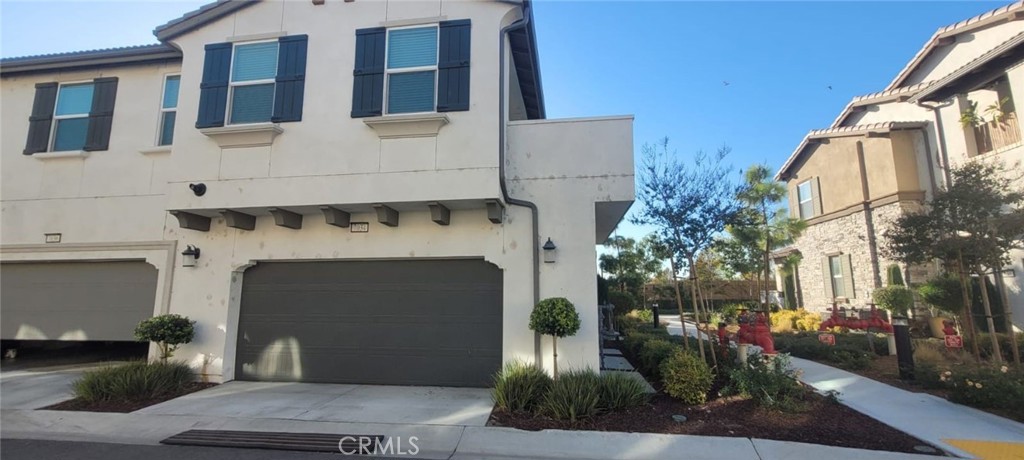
(757, 334)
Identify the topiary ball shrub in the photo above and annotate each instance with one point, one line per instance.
(556, 317)
(618, 390)
(686, 377)
(520, 387)
(168, 331)
(574, 395)
(896, 299)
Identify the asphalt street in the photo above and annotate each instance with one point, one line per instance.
(24, 449)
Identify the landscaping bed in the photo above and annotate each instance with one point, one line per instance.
(130, 387)
(125, 406)
(761, 399)
(822, 422)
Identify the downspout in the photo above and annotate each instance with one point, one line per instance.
(517, 25)
(869, 219)
(941, 135)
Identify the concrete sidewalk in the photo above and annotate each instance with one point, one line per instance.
(924, 416)
(434, 441)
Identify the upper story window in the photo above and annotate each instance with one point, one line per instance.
(71, 116)
(168, 109)
(253, 82)
(413, 69)
(805, 198)
(253, 69)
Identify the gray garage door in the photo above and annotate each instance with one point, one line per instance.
(75, 300)
(424, 322)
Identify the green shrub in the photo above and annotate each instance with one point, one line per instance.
(622, 300)
(769, 381)
(618, 390)
(136, 381)
(1005, 345)
(520, 387)
(574, 395)
(644, 316)
(896, 299)
(943, 292)
(988, 387)
(168, 331)
(686, 377)
(653, 353)
(894, 275)
(849, 352)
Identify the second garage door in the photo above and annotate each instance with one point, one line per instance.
(408, 322)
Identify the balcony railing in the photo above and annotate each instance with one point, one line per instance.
(995, 135)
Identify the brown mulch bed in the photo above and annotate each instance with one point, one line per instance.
(78, 404)
(822, 422)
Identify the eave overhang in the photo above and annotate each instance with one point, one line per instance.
(820, 136)
(93, 58)
(976, 73)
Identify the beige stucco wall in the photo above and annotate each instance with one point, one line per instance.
(890, 165)
(946, 59)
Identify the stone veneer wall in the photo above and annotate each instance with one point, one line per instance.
(848, 235)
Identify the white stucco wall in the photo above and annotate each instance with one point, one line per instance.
(113, 204)
(329, 155)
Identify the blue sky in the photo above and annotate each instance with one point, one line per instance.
(664, 62)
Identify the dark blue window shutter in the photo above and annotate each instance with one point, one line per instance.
(368, 84)
(213, 91)
(41, 119)
(453, 66)
(291, 78)
(101, 115)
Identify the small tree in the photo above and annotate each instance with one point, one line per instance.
(896, 299)
(167, 331)
(943, 292)
(556, 317)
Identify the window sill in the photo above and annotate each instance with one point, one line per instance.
(401, 126)
(156, 150)
(251, 135)
(61, 154)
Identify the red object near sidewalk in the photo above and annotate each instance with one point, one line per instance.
(954, 341)
(756, 334)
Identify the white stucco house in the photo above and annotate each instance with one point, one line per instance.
(335, 191)
(886, 153)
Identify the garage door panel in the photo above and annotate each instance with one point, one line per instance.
(75, 300)
(434, 322)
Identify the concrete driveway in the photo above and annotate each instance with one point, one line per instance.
(32, 389)
(335, 403)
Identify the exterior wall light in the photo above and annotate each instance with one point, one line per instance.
(549, 252)
(189, 256)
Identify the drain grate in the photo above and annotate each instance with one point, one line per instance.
(306, 442)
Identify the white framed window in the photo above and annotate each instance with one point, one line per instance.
(411, 70)
(805, 198)
(835, 266)
(251, 94)
(71, 116)
(168, 109)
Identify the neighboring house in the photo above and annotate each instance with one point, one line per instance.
(888, 152)
(335, 191)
